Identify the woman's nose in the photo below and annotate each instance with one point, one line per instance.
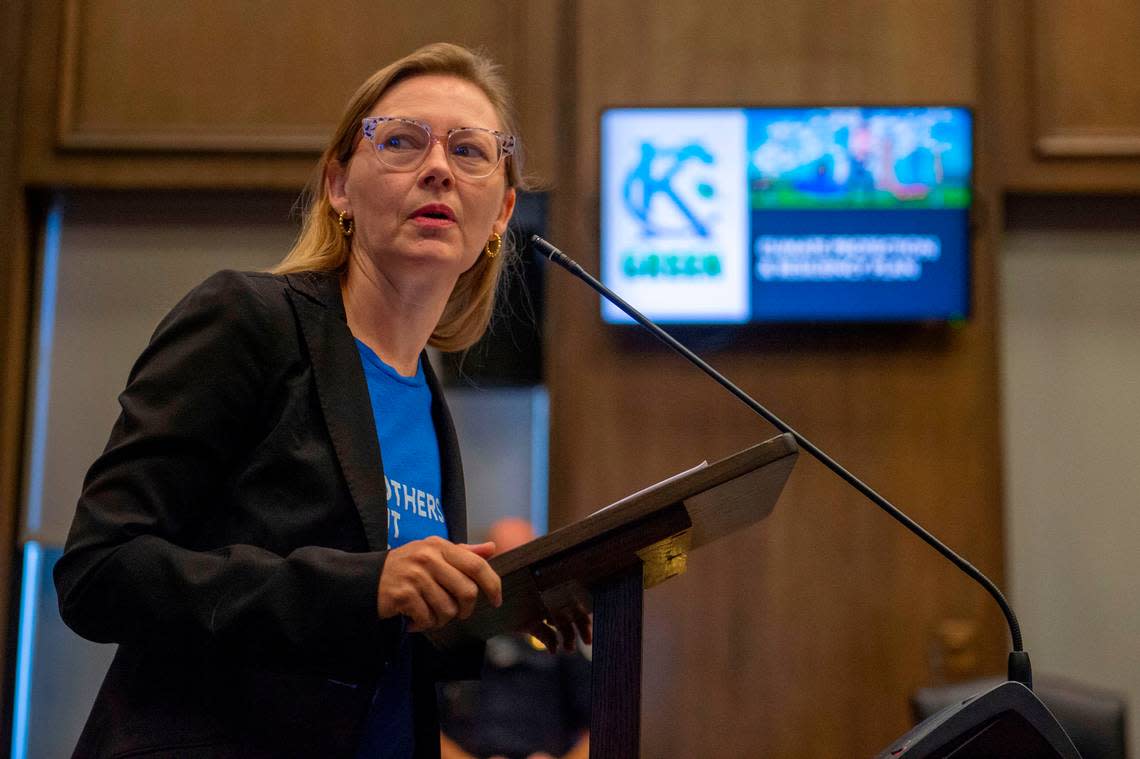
(437, 167)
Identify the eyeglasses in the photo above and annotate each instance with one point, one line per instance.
(403, 145)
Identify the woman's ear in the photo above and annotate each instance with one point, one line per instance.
(508, 208)
(336, 179)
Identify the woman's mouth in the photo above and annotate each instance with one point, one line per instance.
(433, 215)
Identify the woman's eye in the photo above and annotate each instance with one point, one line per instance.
(470, 150)
(402, 140)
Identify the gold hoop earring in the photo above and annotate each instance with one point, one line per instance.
(345, 222)
(494, 245)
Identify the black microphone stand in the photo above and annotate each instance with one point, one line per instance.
(1007, 720)
(1019, 667)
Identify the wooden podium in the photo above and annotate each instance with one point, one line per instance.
(609, 558)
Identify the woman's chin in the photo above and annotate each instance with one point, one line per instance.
(446, 255)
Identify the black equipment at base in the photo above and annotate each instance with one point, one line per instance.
(1004, 722)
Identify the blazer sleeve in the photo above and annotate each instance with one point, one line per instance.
(189, 414)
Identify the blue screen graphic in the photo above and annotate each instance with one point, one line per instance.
(730, 216)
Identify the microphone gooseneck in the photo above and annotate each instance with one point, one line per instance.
(1019, 666)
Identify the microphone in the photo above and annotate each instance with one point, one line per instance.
(1009, 718)
(1019, 666)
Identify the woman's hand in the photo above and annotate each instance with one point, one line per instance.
(558, 630)
(433, 581)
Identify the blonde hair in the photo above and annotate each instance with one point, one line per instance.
(322, 247)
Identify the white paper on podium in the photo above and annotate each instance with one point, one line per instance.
(654, 486)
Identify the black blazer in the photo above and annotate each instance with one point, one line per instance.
(231, 536)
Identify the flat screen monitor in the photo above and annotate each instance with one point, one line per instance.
(810, 214)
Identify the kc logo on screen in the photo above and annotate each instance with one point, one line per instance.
(652, 179)
(675, 213)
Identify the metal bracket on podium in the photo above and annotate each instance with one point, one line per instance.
(665, 558)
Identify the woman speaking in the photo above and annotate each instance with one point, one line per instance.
(280, 506)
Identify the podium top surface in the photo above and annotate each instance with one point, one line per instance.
(744, 504)
(708, 502)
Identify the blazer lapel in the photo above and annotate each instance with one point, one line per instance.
(343, 395)
(450, 463)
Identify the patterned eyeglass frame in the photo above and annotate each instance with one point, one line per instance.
(506, 142)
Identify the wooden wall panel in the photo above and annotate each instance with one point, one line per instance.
(1064, 79)
(15, 276)
(1086, 78)
(214, 94)
(801, 637)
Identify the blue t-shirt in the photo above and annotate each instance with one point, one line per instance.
(401, 407)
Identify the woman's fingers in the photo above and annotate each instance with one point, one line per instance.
(545, 635)
(583, 623)
(460, 587)
(565, 631)
(443, 606)
(569, 621)
(418, 613)
(483, 550)
(476, 567)
(432, 581)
